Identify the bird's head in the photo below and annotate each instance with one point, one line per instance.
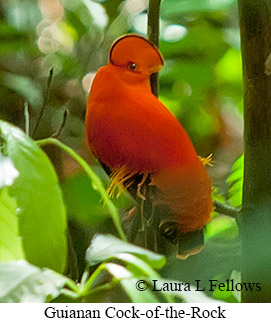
(136, 57)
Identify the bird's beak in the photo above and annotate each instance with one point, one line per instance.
(155, 69)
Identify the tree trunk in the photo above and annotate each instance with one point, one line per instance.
(255, 218)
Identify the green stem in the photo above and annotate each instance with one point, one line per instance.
(97, 183)
(84, 290)
(84, 277)
(45, 100)
(71, 284)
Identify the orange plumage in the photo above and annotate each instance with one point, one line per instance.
(130, 131)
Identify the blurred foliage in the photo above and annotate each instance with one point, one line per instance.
(83, 201)
(125, 263)
(200, 84)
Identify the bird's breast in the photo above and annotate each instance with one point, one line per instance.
(128, 126)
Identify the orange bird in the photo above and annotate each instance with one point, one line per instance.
(132, 133)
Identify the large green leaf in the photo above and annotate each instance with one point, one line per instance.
(129, 282)
(104, 247)
(10, 242)
(221, 227)
(42, 218)
(21, 282)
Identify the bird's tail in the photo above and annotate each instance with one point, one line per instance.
(186, 191)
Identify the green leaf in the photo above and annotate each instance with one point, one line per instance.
(137, 265)
(225, 295)
(228, 295)
(10, 242)
(139, 269)
(42, 218)
(135, 295)
(104, 247)
(128, 283)
(175, 8)
(221, 227)
(21, 282)
(235, 180)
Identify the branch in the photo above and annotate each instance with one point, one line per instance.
(226, 209)
(153, 36)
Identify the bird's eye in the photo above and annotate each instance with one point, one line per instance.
(132, 66)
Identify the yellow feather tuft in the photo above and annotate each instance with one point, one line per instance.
(207, 160)
(118, 178)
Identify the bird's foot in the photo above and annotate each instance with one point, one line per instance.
(139, 186)
(131, 213)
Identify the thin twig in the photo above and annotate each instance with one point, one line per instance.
(153, 21)
(45, 100)
(153, 36)
(86, 287)
(26, 118)
(226, 209)
(62, 125)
